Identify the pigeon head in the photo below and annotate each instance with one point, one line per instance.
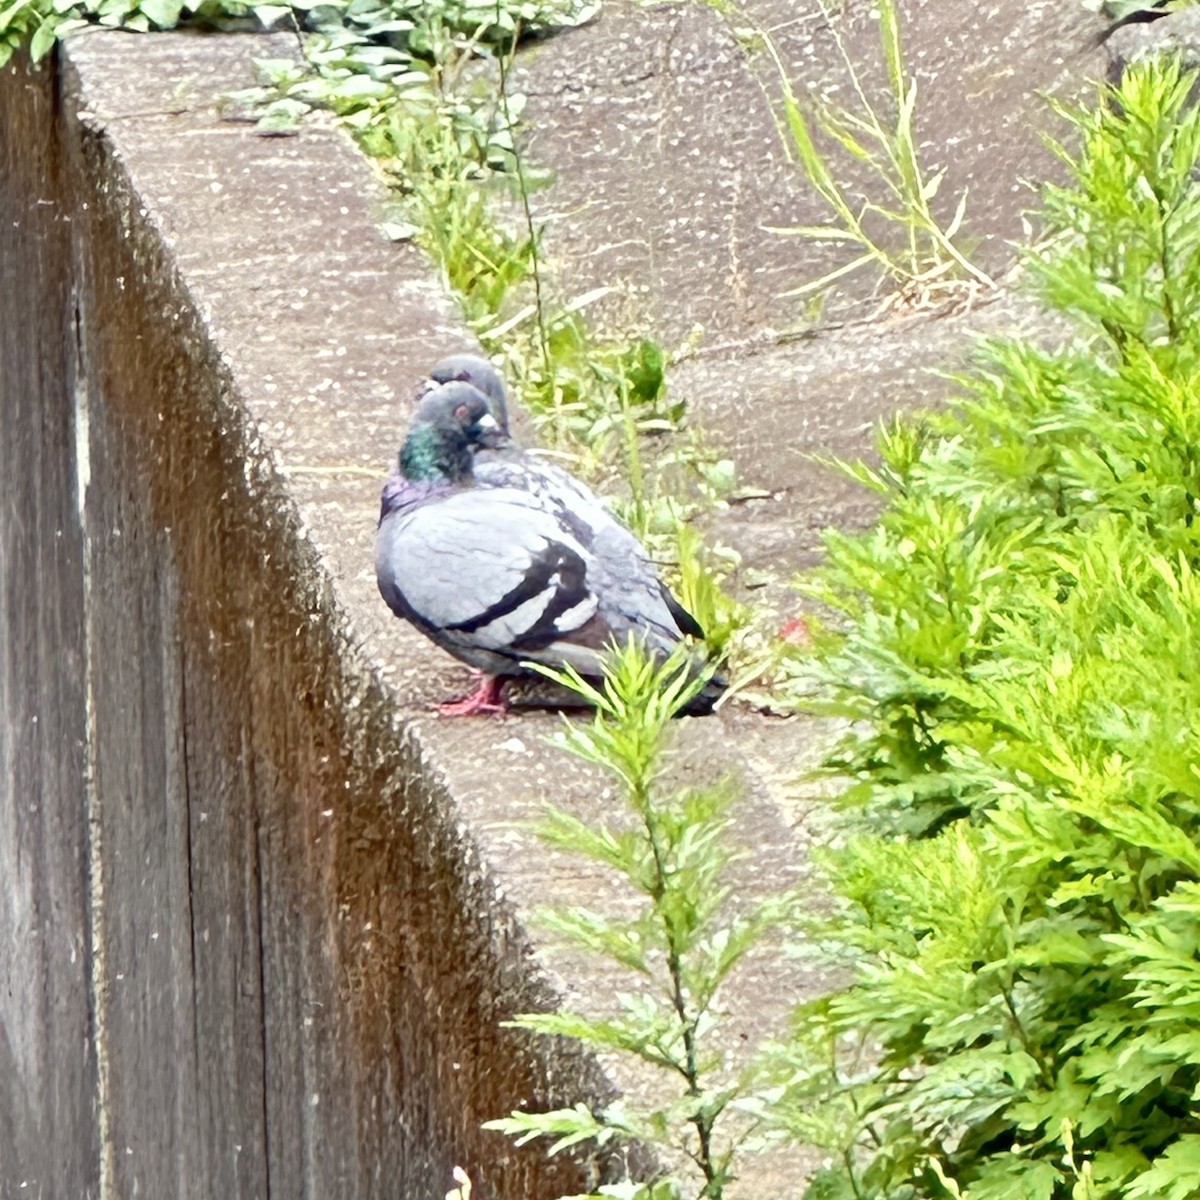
(479, 373)
(451, 422)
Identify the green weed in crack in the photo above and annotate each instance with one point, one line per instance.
(671, 848)
(600, 401)
(894, 229)
(451, 152)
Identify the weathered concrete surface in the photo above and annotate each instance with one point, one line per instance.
(306, 892)
(669, 175)
(783, 414)
(670, 172)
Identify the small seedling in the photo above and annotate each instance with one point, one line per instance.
(671, 848)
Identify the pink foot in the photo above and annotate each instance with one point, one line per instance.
(485, 699)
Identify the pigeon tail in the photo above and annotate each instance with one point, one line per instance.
(702, 704)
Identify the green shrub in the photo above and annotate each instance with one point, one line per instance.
(992, 508)
(1020, 880)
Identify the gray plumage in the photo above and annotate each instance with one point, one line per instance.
(508, 466)
(501, 573)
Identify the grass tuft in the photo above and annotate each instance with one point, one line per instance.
(895, 229)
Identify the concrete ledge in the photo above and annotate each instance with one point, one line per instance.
(265, 937)
(257, 954)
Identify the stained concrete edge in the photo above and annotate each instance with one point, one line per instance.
(298, 956)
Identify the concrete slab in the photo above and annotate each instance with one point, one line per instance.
(670, 171)
(363, 868)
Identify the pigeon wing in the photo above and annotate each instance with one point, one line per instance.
(623, 561)
(489, 575)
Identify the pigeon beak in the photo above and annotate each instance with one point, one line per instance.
(490, 433)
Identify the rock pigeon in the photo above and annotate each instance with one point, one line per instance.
(503, 575)
(477, 371)
(507, 465)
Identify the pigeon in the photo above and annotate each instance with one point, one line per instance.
(500, 576)
(477, 371)
(508, 466)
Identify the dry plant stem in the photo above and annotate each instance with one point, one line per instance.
(503, 62)
(929, 260)
(633, 456)
(901, 150)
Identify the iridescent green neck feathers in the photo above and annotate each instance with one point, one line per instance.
(435, 455)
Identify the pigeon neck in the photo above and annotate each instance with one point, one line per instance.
(432, 454)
